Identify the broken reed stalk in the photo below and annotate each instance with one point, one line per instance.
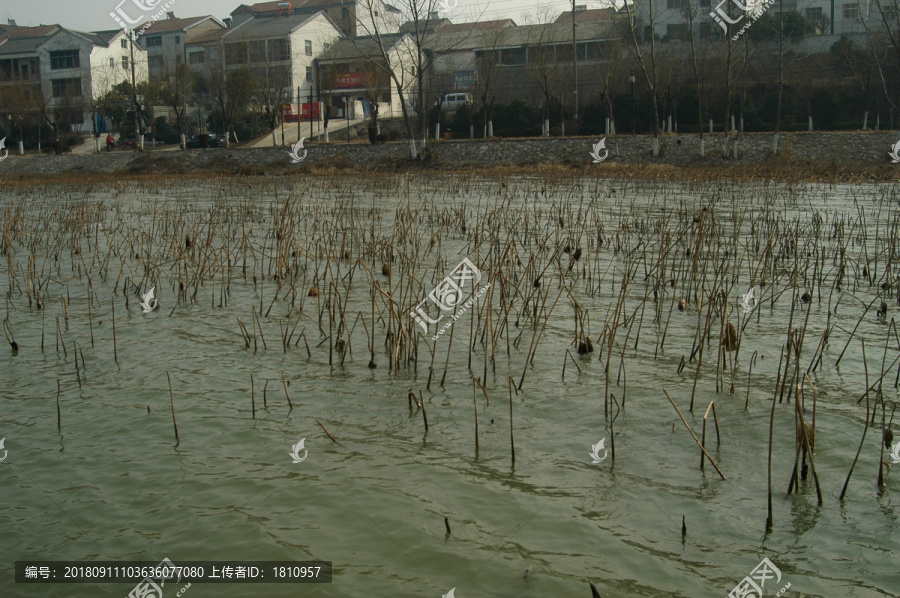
(769, 517)
(172, 403)
(865, 430)
(447, 525)
(424, 414)
(710, 407)
(475, 403)
(287, 396)
(694, 436)
(327, 433)
(115, 347)
(252, 397)
(512, 440)
(58, 412)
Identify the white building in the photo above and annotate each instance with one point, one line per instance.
(280, 50)
(166, 41)
(64, 70)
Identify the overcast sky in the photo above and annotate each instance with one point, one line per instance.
(93, 15)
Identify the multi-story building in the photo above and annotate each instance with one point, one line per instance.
(352, 19)
(166, 42)
(62, 71)
(280, 50)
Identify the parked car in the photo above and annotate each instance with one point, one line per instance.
(452, 101)
(214, 141)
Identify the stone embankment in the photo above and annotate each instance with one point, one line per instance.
(854, 156)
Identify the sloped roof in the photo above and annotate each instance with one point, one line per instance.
(13, 31)
(208, 38)
(171, 25)
(20, 45)
(270, 26)
(584, 16)
(350, 49)
(454, 27)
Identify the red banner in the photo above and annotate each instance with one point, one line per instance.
(348, 81)
(307, 111)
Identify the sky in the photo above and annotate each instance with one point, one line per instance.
(93, 15)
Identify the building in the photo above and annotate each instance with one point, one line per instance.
(280, 50)
(352, 19)
(63, 71)
(166, 42)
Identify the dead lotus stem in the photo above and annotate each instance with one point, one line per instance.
(172, 403)
(694, 436)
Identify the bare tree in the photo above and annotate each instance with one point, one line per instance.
(177, 92)
(647, 63)
(19, 101)
(544, 66)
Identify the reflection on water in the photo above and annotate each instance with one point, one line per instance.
(374, 488)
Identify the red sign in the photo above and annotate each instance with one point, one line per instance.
(307, 111)
(348, 81)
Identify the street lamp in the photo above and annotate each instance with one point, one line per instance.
(631, 78)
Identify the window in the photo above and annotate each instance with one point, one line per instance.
(155, 62)
(177, 40)
(676, 4)
(705, 4)
(124, 43)
(213, 52)
(66, 87)
(112, 62)
(196, 58)
(309, 73)
(851, 11)
(257, 51)
(814, 14)
(676, 32)
(67, 59)
(513, 56)
(308, 44)
(125, 62)
(154, 42)
(235, 53)
(279, 50)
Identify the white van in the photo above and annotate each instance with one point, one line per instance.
(452, 101)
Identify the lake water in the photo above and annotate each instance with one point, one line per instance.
(115, 484)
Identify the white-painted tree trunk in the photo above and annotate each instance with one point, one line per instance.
(141, 141)
(710, 125)
(775, 143)
(865, 120)
(546, 129)
(274, 138)
(735, 149)
(326, 134)
(183, 142)
(490, 128)
(702, 147)
(810, 124)
(471, 131)
(655, 147)
(412, 149)
(96, 144)
(21, 148)
(437, 130)
(607, 126)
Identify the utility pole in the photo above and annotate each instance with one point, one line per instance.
(575, 65)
